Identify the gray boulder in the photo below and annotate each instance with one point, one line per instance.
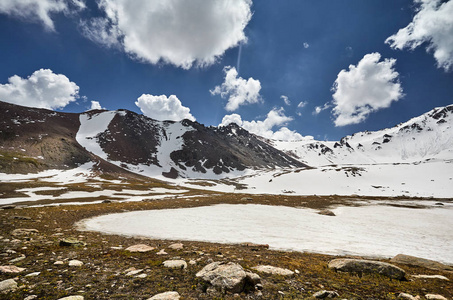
(420, 262)
(273, 270)
(367, 266)
(229, 276)
(7, 285)
(175, 264)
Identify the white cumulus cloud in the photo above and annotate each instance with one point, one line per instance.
(302, 104)
(163, 108)
(96, 105)
(370, 86)
(433, 25)
(275, 118)
(286, 100)
(179, 32)
(42, 89)
(39, 10)
(238, 90)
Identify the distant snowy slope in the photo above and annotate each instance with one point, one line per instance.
(429, 136)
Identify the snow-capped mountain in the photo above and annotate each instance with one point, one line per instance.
(429, 136)
(175, 149)
(37, 139)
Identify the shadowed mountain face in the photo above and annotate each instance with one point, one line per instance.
(33, 139)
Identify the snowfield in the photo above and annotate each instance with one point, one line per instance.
(371, 231)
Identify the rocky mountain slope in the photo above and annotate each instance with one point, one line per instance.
(37, 139)
(429, 136)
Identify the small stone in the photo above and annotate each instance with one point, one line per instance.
(162, 252)
(435, 297)
(431, 277)
(406, 296)
(247, 199)
(134, 272)
(273, 270)
(175, 264)
(31, 297)
(140, 248)
(8, 285)
(117, 248)
(72, 242)
(72, 298)
(176, 246)
(281, 293)
(166, 296)
(17, 259)
(11, 269)
(9, 206)
(325, 294)
(58, 262)
(33, 274)
(326, 212)
(24, 231)
(75, 263)
(141, 276)
(192, 262)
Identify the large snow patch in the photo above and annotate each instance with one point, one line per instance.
(375, 231)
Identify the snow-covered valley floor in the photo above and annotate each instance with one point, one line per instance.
(370, 230)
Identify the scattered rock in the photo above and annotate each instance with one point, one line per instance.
(31, 297)
(140, 248)
(72, 242)
(430, 277)
(407, 296)
(175, 264)
(24, 231)
(11, 269)
(58, 262)
(247, 199)
(141, 276)
(72, 298)
(133, 272)
(9, 206)
(162, 252)
(33, 274)
(325, 294)
(420, 262)
(17, 259)
(367, 266)
(435, 297)
(166, 296)
(225, 276)
(273, 270)
(192, 262)
(176, 246)
(326, 212)
(75, 263)
(8, 285)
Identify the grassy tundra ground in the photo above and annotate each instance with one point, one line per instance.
(104, 269)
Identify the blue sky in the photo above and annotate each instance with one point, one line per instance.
(342, 66)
